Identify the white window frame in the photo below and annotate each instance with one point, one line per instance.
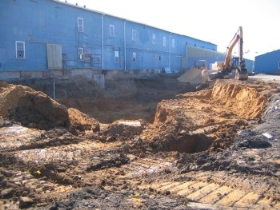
(81, 53)
(133, 35)
(117, 56)
(164, 41)
(111, 30)
(80, 24)
(134, 57)
(22, 43)
(154, 39)
(173, 43)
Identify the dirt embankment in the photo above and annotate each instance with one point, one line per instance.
(195, 120)
(37, 110)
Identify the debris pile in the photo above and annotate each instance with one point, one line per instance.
(35, 109)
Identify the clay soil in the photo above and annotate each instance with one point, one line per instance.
(149, 143)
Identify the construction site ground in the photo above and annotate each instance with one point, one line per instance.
(148, 143)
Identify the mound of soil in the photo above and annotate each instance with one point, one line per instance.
(37, 110)
(124, 128)
(218, 113)
(192, 76)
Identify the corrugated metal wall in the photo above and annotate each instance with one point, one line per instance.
(194, 54)
(106, 41)
(268, 63)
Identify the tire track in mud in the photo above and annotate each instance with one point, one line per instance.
(212, 189)
(217, 190)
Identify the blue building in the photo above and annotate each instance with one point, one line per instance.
(46, 35)
(268, 63)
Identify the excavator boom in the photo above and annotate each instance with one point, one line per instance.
(238, 37)
(226, 68)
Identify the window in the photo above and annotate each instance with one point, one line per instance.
(154, 39)
(278, 64)
(117, 57)
(134, 56)
(20, 50)
(173, 43)
(80, 24)
(133, 35)
(159, 58)
(164, 41)
(112, 30)
(81, 53)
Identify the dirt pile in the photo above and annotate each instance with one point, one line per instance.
(124, 129)
(217, 113)
(240, 99)
(225, 101)
(192, 76)
(35, 109)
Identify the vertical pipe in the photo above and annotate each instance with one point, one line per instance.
(124, 38)
(54, 88)
(169, 51)
(102, 41)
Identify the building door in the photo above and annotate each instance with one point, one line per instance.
(54, 56)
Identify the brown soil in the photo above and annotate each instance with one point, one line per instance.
(152, 143)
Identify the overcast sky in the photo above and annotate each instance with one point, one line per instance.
(215, 21)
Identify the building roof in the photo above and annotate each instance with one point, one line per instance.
(272, 52)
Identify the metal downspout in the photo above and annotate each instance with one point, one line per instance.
(124, 38)
(102, 41)
(169, 51)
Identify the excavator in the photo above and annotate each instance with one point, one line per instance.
(231, 67)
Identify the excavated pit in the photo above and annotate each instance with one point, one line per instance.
(126, 140)
(188, 144)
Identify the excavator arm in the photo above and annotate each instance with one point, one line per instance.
(226, 69)
(241, 71)
(238, 37)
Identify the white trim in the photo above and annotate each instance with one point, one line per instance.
(133, 35)
(81, 53)
(173, 43)
(164, 41)
(18, 50)
(117, 56)
(111, 30)
(134, 56)
(80, 24)
(154, 39)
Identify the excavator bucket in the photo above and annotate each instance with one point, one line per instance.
(241, 74)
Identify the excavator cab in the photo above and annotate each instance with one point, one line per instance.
(235, 62)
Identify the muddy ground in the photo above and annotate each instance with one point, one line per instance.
(150, 143)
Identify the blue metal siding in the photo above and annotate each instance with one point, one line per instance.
(267, 63)
(38, 23)
(249, 65)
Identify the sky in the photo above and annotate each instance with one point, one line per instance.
(215, 21)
